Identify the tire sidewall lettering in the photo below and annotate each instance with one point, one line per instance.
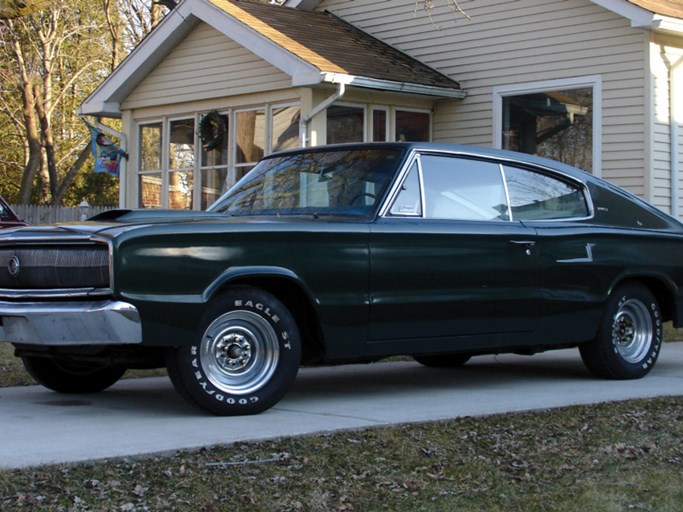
(220, 396)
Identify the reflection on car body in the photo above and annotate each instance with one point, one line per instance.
(347, 253)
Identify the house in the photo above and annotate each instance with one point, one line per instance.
(219, 83)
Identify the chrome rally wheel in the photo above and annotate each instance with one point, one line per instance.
(632, 331)
(239, 352)
(630, 335)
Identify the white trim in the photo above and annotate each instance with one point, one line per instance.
(592, 81)
(383, 85)
(642, 18)
(639, 17)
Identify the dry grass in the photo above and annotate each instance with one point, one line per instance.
(607, 457)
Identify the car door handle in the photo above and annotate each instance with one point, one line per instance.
(527, 244)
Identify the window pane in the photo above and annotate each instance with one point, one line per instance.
(286, 128)
(150, 147)
(181, 148)
(412, 126)
(219, 154)
(457, 188)
(345, 124)
(180, 187)
(338, 181)
(408, 200)
(214, 184)
(251, 134)
(554, 124)
(535, 196)
(379, 125)
(149, 188)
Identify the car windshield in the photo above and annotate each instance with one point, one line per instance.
(339, 181)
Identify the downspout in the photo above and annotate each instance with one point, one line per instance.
(674, 131)
(303, 123)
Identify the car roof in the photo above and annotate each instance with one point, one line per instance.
(459, 149)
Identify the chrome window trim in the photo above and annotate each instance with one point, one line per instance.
(384, 211)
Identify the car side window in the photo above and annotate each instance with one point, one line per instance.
(463, 189)
(537, 196)
(409, 202)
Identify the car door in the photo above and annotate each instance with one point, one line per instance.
(449, 269)
(577, 257)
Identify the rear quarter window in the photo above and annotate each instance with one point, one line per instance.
(537, 196)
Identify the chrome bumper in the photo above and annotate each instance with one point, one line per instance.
(102, 322)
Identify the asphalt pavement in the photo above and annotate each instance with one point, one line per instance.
(138, 417)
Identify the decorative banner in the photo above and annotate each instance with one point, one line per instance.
(107, 154)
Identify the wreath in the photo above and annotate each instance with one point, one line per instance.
(212, 130)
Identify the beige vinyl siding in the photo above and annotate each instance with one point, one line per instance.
(661, 142)
(205, 65)
(665, 52)
(526, 41)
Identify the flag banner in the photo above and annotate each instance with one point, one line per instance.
(107, 154)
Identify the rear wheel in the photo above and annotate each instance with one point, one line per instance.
(443, 360)
(630, 336)
(67, 376)
(245, 357)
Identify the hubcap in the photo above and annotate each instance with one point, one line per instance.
(632, 331)
(239, 352)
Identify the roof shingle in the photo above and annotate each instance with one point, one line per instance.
(332, 45)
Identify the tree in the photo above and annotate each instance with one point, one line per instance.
(10, 9)
(50, 60)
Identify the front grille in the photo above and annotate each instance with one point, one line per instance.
(54, 267)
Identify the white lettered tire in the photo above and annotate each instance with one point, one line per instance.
(630, 336)
(245, 357)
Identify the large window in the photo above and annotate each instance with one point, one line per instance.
(353, 123)
(558, 120)
(179, 168)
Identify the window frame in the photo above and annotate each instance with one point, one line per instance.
(416, 162)
(164, 172)
(593, 82)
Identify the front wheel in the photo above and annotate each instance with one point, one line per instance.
(245, 357)
(630, 336)
(68, 376)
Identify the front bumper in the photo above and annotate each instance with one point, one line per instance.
(103, 322)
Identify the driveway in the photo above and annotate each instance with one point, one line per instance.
(146, 416)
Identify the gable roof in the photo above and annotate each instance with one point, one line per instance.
(312, 47)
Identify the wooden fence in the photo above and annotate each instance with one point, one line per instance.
(35, 214)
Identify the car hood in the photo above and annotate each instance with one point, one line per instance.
(113, 223)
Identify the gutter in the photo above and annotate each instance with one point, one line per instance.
(305, 119)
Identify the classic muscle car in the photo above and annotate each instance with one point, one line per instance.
(346, 253)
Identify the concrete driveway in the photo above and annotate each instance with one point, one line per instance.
(145, 416)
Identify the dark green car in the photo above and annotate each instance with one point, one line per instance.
(346, 253)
